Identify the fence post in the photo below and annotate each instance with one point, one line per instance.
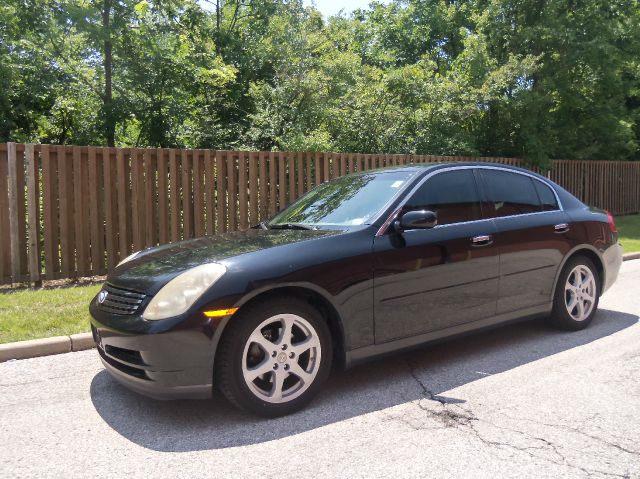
(32, 213)
(14, 235)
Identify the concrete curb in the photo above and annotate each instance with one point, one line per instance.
(82, 341)
(46, 346)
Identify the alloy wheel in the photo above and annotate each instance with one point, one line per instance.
(281, 358)
(580, 293)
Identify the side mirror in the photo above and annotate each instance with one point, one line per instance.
(416, 220)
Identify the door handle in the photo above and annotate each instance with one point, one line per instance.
(482, 240)
(561, 228)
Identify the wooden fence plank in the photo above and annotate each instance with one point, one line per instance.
(263, 186)
(273, 189)
(163, 196)
(242, 190)
(5, 242)
(221, 193)
(79, 212)
(198, 194)
(116, 186)
(137, 200)
(151, 237)
(291, 172)
(33, 228)
(326, 175)
(14, 219)
(253, 189)
(66, 212)
(317, 166)
(187, 194)
(282, 178)
(232, 190)
(94, 213)
(22, 212)
(309, 165)
(300, 173)
(49, 223)
(174, 196)
(210, 188)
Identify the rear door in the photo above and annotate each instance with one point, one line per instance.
(426, 280)
(532, 236)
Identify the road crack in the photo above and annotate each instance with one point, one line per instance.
(452, 415)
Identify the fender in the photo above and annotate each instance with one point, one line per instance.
(574, 250)
(219, 330)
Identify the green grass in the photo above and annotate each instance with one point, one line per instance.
(629, 232)
(41, 313)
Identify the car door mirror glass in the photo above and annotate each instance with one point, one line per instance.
(419, 219)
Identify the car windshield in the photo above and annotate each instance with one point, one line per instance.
(346, 201)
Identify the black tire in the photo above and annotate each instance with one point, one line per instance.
(230, 363)
(560, 316)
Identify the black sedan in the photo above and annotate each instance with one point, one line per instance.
(359, 267)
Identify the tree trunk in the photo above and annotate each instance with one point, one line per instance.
(218, 25)
(109, 123)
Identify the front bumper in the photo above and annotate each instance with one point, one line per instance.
(172, 364)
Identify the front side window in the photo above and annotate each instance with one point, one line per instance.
(347, 201)
(452, 195)
(509, 193)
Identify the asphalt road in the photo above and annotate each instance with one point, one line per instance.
(519, 401)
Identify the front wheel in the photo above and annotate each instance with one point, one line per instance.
(274, 357)
(577, 294)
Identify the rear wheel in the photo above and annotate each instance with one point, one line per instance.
(274, 357)
(577, 294)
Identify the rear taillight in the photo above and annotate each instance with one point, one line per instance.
(612, 223)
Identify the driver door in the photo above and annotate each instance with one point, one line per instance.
(431, 279)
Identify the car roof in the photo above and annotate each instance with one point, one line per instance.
(568, 200)
(423, 167)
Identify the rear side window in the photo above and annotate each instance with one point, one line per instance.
(547, 198)
(509, 193)
(452, 195)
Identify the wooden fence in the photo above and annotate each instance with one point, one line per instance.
(68, 212)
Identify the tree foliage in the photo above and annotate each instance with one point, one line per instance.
(532, 78)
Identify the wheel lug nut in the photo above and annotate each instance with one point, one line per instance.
(291, 355)
(273, 354)
(286, 367)
(284, 346)
(275, 366)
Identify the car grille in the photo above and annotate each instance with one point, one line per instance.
(120, 301)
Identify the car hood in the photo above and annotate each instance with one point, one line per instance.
(154, 267)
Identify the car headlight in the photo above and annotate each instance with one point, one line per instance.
(128, 258)
(179, 294)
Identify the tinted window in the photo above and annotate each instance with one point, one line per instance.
(452, 195)
(509, 193)
(547, 198)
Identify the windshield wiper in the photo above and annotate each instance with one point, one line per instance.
(291, 226)
(260, 226)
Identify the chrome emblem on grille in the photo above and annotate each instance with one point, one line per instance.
(102, 295)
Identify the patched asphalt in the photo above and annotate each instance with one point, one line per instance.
(519, 401)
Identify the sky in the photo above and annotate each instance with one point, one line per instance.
(326, 7)
(331, 7)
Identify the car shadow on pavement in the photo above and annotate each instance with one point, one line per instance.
(181, 426)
